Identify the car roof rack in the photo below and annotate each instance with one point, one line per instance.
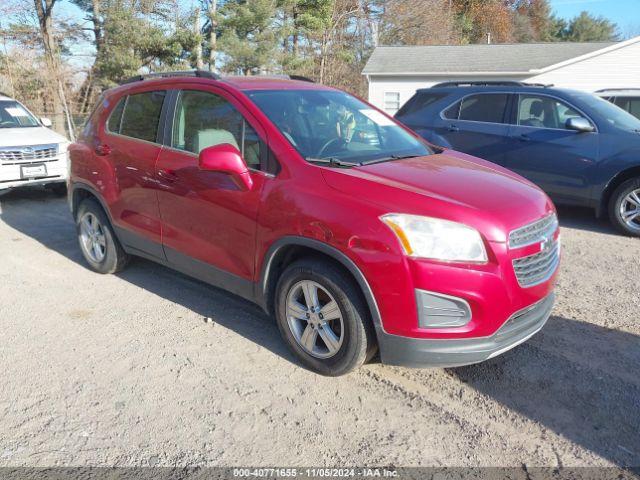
(277, 76)
(489, 83)
(616, 89)
(179, 73)
(204, 74)
(301, 78)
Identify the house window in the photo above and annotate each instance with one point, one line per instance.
(391, 102)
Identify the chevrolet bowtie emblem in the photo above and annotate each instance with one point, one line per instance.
(545, 244)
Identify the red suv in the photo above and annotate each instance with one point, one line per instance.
(356, 234)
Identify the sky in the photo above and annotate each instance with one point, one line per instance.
(624, 13)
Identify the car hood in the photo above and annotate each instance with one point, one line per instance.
(17, 137)
(450, 185)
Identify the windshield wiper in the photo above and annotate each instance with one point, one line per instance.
(332, 162)
(389, 159)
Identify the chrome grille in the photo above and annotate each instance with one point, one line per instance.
(28, 154)
(534, 232)
(539, 267)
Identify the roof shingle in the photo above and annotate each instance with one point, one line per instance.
(519, 57)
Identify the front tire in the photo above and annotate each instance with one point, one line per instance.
(322, 318)
(98, 243)
(624, 207)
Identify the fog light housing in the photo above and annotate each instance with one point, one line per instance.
(436, 310)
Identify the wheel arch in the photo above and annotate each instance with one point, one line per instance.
(82, 191)
(615, 182)
(289, 249)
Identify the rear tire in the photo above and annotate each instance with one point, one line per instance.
(624, 207)
(333, 335)
(98, 243)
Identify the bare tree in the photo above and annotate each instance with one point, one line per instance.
(44, 10)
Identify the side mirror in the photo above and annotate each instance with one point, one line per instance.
(45, 122)
(225, 158)
(579, 124)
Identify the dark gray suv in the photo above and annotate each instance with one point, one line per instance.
(579, 148)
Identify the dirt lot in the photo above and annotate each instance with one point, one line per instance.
(122, 370)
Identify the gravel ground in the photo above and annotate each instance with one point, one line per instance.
(123, 370)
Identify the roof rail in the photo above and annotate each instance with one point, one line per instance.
(494, 83)
(616, 89)
(182, 73)
(301, 78)
(280, 76)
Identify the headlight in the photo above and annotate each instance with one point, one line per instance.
(437, 239)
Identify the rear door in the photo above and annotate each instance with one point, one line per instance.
(544, 151)
(477, 125)
(209, 223)
(132, 144)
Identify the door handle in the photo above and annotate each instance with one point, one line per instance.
(453, 128)
(524, 138)
(102, 149)
(167, 175)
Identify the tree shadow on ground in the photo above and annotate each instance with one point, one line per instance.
(47, 219)
(575, 378)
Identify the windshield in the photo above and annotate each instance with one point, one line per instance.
(14, 115)
(325, 124)
(612, 114)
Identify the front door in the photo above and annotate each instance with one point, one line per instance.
(209, 222)
(541, 149)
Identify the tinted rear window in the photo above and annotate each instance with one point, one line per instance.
(113, 124)
(142, 115)
(484, 107)
(418, 102)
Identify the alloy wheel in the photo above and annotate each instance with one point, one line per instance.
(630, 210)
(92, 237)
(315, 319)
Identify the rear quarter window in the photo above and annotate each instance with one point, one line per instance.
(419, 102)
(141, 116)
(115, 118)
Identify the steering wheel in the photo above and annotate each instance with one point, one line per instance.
(330, 143)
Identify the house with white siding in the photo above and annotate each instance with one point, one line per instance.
(394, 73)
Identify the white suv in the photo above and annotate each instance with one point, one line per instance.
(30, 153)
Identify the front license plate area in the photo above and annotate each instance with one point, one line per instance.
(33, 171)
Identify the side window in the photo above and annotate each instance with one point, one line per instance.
(204, 119)
(141, 115)
(621, 102)
(419, 101)
(543, 112)
(487, 107)
(634, 106)
(630, 104)
(113, 124)
(453, 111)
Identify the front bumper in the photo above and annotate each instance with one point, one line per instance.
(10, 176)
(420, 352)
